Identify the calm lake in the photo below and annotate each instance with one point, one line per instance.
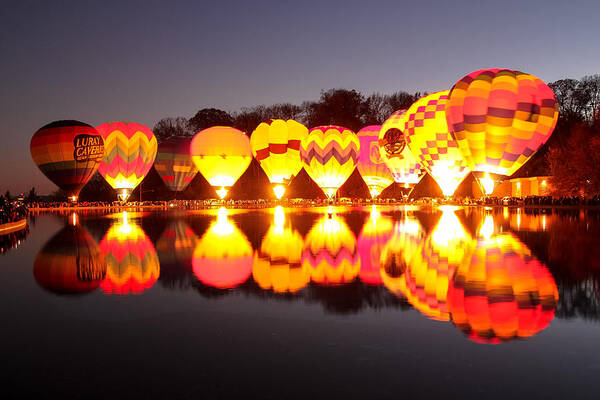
(357, 302)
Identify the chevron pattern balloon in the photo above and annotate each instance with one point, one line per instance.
(329, 155)
(429, 140)
(129, 152)
(174, 163)
(500, 118)
(395, 154)
(372, 168)
(68, 153)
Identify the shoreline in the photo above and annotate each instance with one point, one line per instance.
(12, 227)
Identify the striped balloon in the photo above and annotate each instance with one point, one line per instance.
(428, 139)
(132, 263)
(329, 155)
(276, 146)
(395, 154)
(68, 153)
(500, 118)
(129, 151)
(372, 168)
(501, 292)
(374, 235)
(174, 163)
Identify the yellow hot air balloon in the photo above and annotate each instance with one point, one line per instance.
(329, 155)
(277, 265)
(221, 154)
(429, 140)
(276, 146)
(395, 154)
(129, 152)
(330, 252)
(500, 118)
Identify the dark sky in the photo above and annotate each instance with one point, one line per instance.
(97, 61)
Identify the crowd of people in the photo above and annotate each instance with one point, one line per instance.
(11, 211)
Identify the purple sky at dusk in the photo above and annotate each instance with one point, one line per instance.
(98, 61)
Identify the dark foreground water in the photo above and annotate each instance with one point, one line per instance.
(386, 302)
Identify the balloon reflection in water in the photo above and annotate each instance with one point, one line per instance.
(397, 253)
(175, 249)
(330, 252)
(70, 263)
(501, 292)
(132, 264)
(277, 264)
(431, 268)
(375, 233)
(223, 256)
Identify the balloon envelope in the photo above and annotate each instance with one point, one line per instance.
(500, 118)
(174, 163)
(221, 154)
(329, 155)
(276, 146)
(372, 168)
(395, 154)
(68, 153)
(129, 152)
(429, 140)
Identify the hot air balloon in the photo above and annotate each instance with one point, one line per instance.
(277, 265)
(70, 263)
(432, 266)
(428, 139)
(397, 253)
(395, 154)
(329, 155)
(129, 151)
(174, 163)
(221, 154)
(373, 170)
(501, 292)
(500, 118)
(276, 146)
(374, 235)
(330, 252)
(223, 256)
(68, 153)
(132, 263)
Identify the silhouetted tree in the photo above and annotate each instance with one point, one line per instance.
(336, 107)
(208, 117)
(31, 196)
(167, 127)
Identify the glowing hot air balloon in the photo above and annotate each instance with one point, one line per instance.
(221, 154)
(329, 155)
(174, 163)
(395, 154)
(68, 153)
(374, 235)
(501, 292)
(277, 264)
(428, 139)
(330, 252)
(373, 170)
(223, 256)
(500, 118)
(70, 263)
(276, 146)
(129, 151)
(132, 263)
